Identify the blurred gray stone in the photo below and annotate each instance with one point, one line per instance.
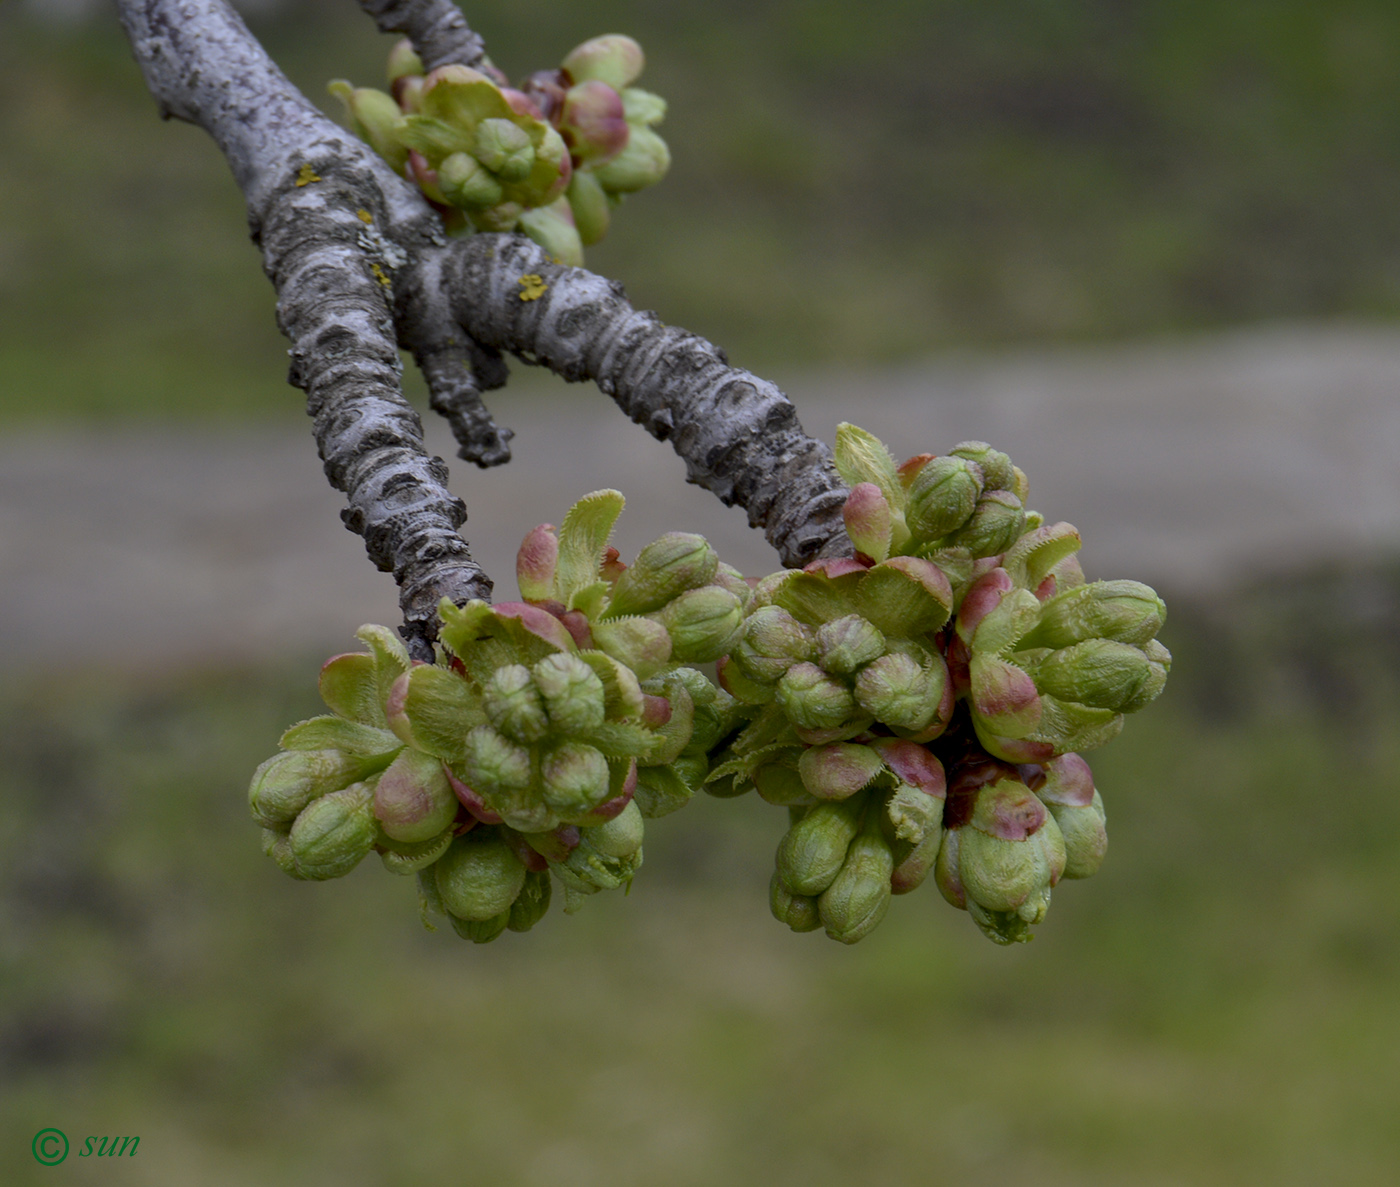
(1186, 464)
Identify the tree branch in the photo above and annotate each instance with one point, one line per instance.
(739, 435)
(335, 224)
(361, 267)
(437, 28)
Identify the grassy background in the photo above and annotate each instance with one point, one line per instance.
(1216, 1006)
(852, 182)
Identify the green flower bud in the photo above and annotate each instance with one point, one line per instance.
(728, 577)
(481, 931)
(997, 522)
(664, 569)
(575, 778)
(552, 227)
(514, 706)
(277, 845)
(702, 623)
(504, 148)
(479, 877)
(573, 693)
(287, 782)
(532, 903)
(375, 117)
(613, 58)
(589, 203)
(838, 770)
(607, 856)
(812, 699)
(1159, 661)
(674, 724)
(811, 853)
(1124, 611)
(642, 644)
(412, 799)
(467, 183)
(619, 837)
(495, 765)
(333, 834)
(644, 162)
(773, 640)
(847, 644)
(857, 899)
(996, 467)
(899, 691)
(1068, 791)
(869, 520)
(1097, 672)
(642, 108)
(942, 497)
(1002, 862)
(1005, 700)
(592, 122)
(798, 911)
(536, 563)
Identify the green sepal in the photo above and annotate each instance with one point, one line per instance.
(532, 903)
(434, 707)
(815, 598)
(390, 656)
(436, 139)
(621, 739)
(480, 931)
(399, 857)
(622, 692)
(335, 733)
(1031, 558)
(798, 911)
(660, 791)
(670, 739)
(429, 900)
(348, 686)
(905, 595)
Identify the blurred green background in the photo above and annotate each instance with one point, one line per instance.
(853, 184)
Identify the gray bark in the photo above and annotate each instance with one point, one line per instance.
(361, 268)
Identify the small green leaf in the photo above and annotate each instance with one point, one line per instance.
(582, 541)
(862, 457)
(335, 733)
(390, 656)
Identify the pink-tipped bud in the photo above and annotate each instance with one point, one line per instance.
(536, 562)
(838, 770)
(613, 58)
(593, 123)
(869, 520)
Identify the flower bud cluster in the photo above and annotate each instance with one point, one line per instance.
(551, 158)
(961, 641)
(536, 744)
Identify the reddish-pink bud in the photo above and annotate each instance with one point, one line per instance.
(536, 562)
(593, 123)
